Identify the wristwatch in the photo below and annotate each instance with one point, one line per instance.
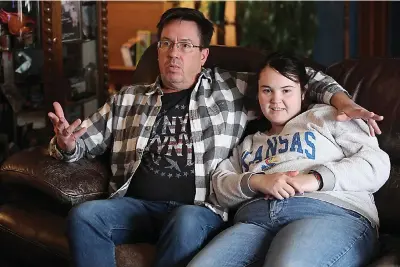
(318, 176)
(63, 151)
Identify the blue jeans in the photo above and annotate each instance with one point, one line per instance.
(292, 232)
(179, 231)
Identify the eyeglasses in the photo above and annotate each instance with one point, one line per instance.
(184, 47)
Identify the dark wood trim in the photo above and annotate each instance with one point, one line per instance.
(54, 90)
(103, 67)
(373, 28)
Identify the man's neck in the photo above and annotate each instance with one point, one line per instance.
(169, 91)
(169, 88)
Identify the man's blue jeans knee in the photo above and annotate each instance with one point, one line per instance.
(96, 227)
(292, 232)
(186, 230)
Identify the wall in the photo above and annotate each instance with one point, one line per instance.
(329, 42)
(125, 19)
(353, 28)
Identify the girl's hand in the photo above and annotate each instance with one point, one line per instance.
(278, 185)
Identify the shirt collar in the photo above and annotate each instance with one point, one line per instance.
(206, 73)
(156, 87)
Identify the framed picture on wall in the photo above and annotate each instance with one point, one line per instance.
(71, 20)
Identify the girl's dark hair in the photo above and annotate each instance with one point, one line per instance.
(287, 65)
(206, 28)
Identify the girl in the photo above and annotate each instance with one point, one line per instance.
(305, 185)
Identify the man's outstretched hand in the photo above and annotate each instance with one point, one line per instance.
(65, 132)
(355, 111)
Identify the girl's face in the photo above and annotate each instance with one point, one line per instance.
(279, 97)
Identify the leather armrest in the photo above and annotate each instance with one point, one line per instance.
(69, 183)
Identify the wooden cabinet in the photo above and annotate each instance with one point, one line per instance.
(21, 81)
(68, 60)
(70, 66)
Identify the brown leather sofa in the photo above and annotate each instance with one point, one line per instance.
(37, 191)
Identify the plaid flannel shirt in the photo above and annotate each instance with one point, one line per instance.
(217, 114)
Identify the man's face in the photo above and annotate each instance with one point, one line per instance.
(179, 69)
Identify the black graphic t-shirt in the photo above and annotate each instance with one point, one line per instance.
(166, 172)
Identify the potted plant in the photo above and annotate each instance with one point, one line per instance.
(271, 25)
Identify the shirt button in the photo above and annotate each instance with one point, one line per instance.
(147, 128)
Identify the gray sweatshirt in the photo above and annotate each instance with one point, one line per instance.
(349, 160)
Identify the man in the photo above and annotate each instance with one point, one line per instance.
(165, 139)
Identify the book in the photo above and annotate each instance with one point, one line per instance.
(128, 52)
(143, 42)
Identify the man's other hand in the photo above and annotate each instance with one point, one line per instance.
(355, 111)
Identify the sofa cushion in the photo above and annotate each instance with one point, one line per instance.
(374, 83)
(135, 255)
(68, 183)
(387, 200)
(40, 235)
(389, 254)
